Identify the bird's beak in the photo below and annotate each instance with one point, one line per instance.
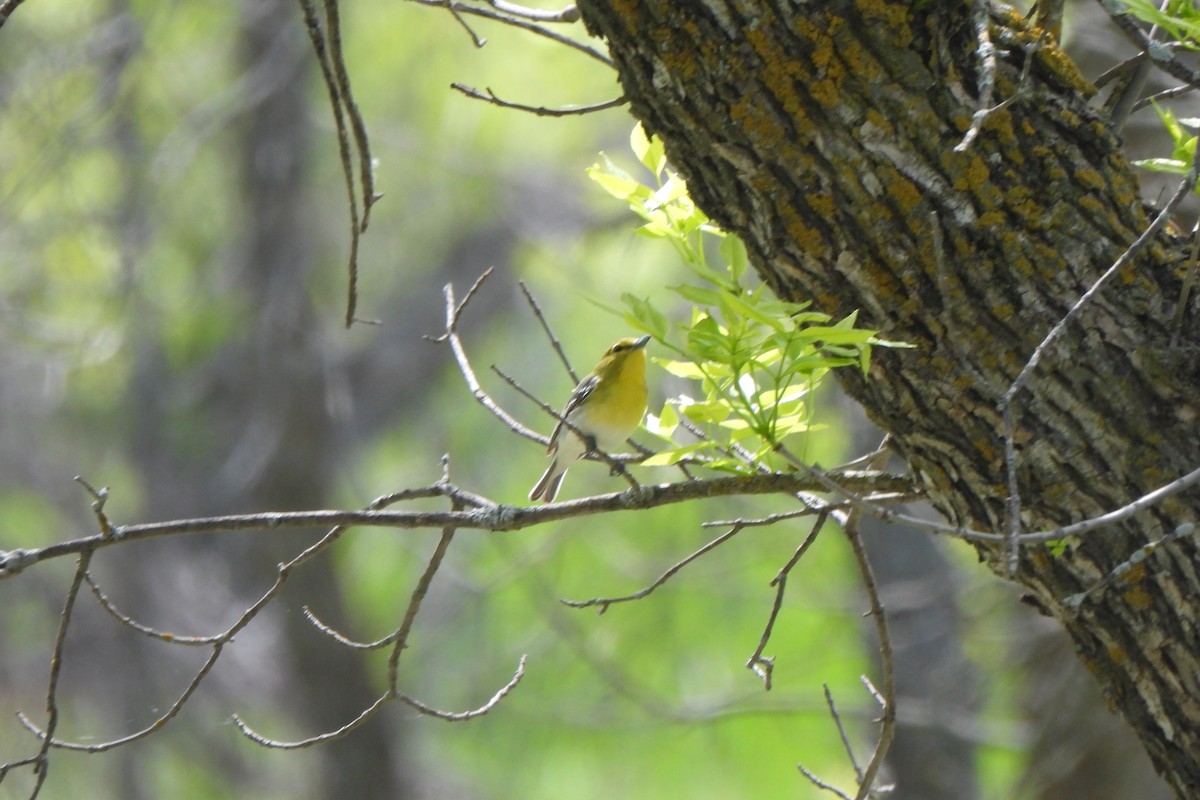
(640, 343)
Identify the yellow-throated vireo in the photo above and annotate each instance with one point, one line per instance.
(605, 408)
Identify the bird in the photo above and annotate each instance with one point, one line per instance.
(606, 407)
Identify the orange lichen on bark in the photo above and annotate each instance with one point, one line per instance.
(904, 192)
(1137, 598)
(895, 17)
(822, 204)
(807, 237)
(779, 72)
(756, 122)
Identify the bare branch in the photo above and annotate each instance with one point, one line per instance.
(757, 663)
(328, 49)
(341, 638)
(987, 74)
(568, 14)
(1006, 403)
(554, 342)
(1128, 565)
(414, 605)
(457, 8)
(1189, 283)
(154, 726)
(56, 661)
(1158, 52)
(488, 96)
(476, 712)
(99, 498)
(145, 630)
(605, 602)
(493, 517)
(6, 9)
(886, 698)
(820, 784)
(328, 736)
(841, 729)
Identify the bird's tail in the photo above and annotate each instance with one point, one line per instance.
(547, 486)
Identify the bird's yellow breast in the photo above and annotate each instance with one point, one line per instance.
(617, 404)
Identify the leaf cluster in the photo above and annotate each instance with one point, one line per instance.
(1180, 19)
(1183, 143)
(755, 361)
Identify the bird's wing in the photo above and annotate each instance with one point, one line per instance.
(581, 393)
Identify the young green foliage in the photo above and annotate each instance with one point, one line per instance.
(1183, 144)
(755, 360)
(1180, 19)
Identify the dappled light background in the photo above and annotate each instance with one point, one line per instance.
(173, 237)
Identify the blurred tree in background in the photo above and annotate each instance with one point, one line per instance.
(172, 234)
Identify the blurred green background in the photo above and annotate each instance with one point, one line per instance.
(172, 286)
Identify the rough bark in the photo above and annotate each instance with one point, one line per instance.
(824, 134)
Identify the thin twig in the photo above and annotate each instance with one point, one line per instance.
(145, 630)
(450, 336)
(153, 727)
(475, 712)
(56, 661)
(987, 77)
(6, 8)
(761, 665)
(820, 784)
(886, 698)
(1158, 52)
(414, 606)
(343, 639)
(605, 602)
(554, 342)
(353, 144)
(836, 716)
(1165, 94)
(366, 174)
(1125, 567)
(568, 14)
(458, 8)
(328, 736)
(488, 96)
(99, 498)
(1013, 531)
(985, 53)
(1189, 283)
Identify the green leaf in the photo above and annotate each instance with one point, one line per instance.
(682, 369)
(650, 318)
(706, 411)
(664, 424)
(707, 341)
(1171, 165)
(696, 294)
(649, 150)
(666, 458)
(733, 251)
(617, 183)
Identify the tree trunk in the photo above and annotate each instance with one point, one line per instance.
(824, 135)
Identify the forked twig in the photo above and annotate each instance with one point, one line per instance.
(760, 665)
(1013, 532)
(327, 45)
(604, 602)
